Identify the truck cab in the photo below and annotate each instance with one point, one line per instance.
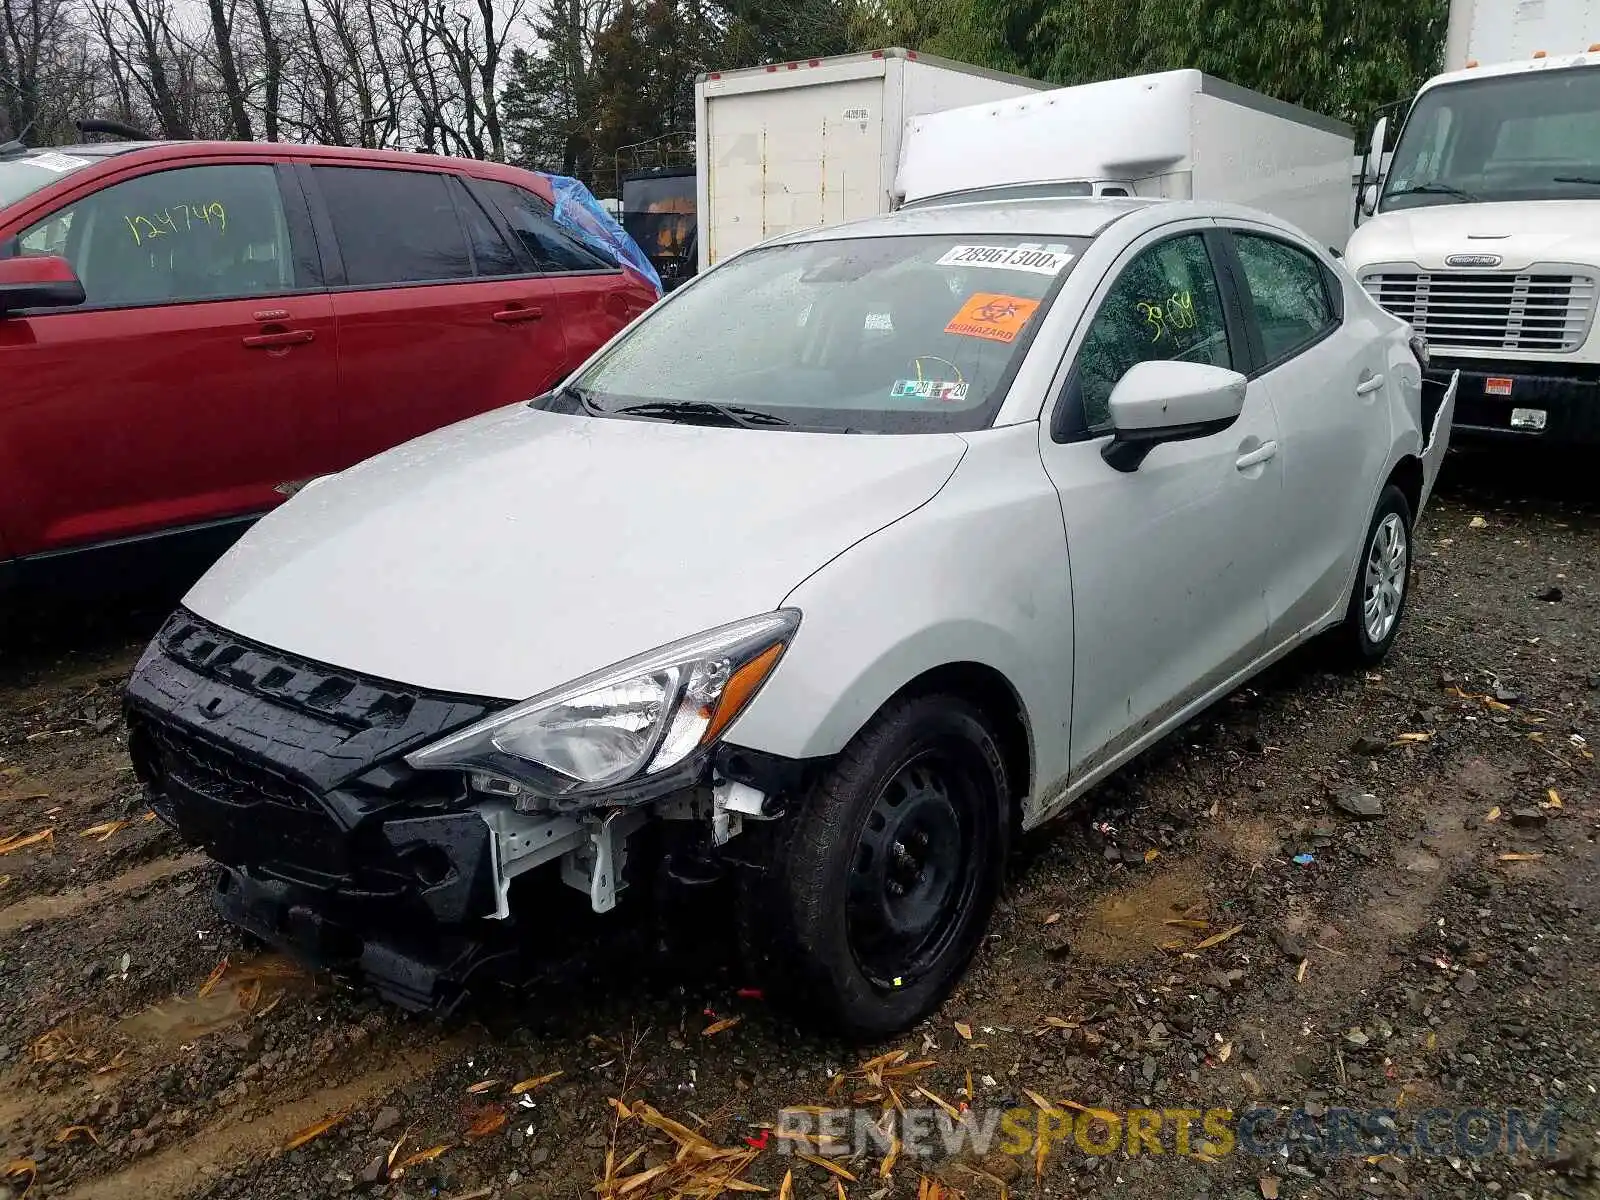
(1485, 235)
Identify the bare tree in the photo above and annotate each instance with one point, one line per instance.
(227, 67)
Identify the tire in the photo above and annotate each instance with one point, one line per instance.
(878, 890)
(1383, 580)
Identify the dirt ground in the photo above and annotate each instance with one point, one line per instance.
(1213, 929)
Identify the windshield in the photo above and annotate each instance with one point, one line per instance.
(1533, 136)
(880, 335)
(24, 175)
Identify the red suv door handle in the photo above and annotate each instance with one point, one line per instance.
(287, 337)
(510, 316)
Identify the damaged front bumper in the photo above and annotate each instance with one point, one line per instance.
(291, 774)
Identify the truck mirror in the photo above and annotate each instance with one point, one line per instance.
(1375, 152)
(1369, 199)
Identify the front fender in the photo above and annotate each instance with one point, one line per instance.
(979, 575)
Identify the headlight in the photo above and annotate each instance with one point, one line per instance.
(639, 718)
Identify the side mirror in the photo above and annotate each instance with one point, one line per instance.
(1369, 199)
(1380, 132)
(1163, 401)
(42, 281)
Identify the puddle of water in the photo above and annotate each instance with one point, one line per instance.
(1133, 923)
(250, 988)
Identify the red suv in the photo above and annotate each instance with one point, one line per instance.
(189, 331)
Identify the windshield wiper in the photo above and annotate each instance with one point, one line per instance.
(583, 397)
(728, 414)
(1436, 189)
(1594, 179)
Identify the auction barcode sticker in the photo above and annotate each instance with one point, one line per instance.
(1007, 258)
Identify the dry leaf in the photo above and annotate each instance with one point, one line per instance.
(839, 1190)
(1491, 703)
(1477, 523)
(786, 1190)
(1493, 814)
(482, 1086)
(1044, 1105)
(1521, 857)
(886, 1167)
(77, 1131)
(1300, 975)
(1555, 799)
(1217, 939)
(21, 841)
(1151, 855)
(944, 1104)
(22, 1166)
(1225, 1053)
(1413, 737)
(421, 1156)
(832, 1168)
(217, 972)
(538, 1081)
(964, 1030)
(4, 879)
(634, 1182)
(1269, 1187)
(394, 1150)
(1052, 918)
(313, 1131)
(103, 831)
(717, 1027)
(490, 1120)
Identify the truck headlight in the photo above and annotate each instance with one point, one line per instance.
(636, 719)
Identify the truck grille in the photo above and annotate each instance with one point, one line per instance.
(1490, 310)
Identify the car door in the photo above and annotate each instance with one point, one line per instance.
(439, 319)
(1169, 562)
(196, 379)
(595, 297)
(1325, 376)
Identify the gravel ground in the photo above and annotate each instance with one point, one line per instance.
(1368, 893)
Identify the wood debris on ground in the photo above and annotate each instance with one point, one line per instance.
(21, 841)
(699, 1170)
(880, 1079)
(537, 1081)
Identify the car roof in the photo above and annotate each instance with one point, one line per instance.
(1061, 216)
(284, 151)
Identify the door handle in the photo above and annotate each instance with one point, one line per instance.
(1369, 385)
(509, 316)
(1256, 457)
(286, 337)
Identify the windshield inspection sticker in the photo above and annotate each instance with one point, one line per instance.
(1007, 258)
(930, 389)
(991, 316)
(51, 160)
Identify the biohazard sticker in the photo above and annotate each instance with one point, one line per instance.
(930, 389)
(1038, 259)
(993, 317)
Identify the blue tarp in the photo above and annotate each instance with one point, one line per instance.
(580, 213)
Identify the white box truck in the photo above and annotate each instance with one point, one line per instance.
(1173, 135)
(795, 145)
(1485, 232)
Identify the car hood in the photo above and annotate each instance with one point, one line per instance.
(1542, 231)
(516, 551)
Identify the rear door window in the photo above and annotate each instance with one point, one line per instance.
(193, 233)
(1288, 294)
(394, 226)
(491, 253)
(532, 220)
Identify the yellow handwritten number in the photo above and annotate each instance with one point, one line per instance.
(1155, 318)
